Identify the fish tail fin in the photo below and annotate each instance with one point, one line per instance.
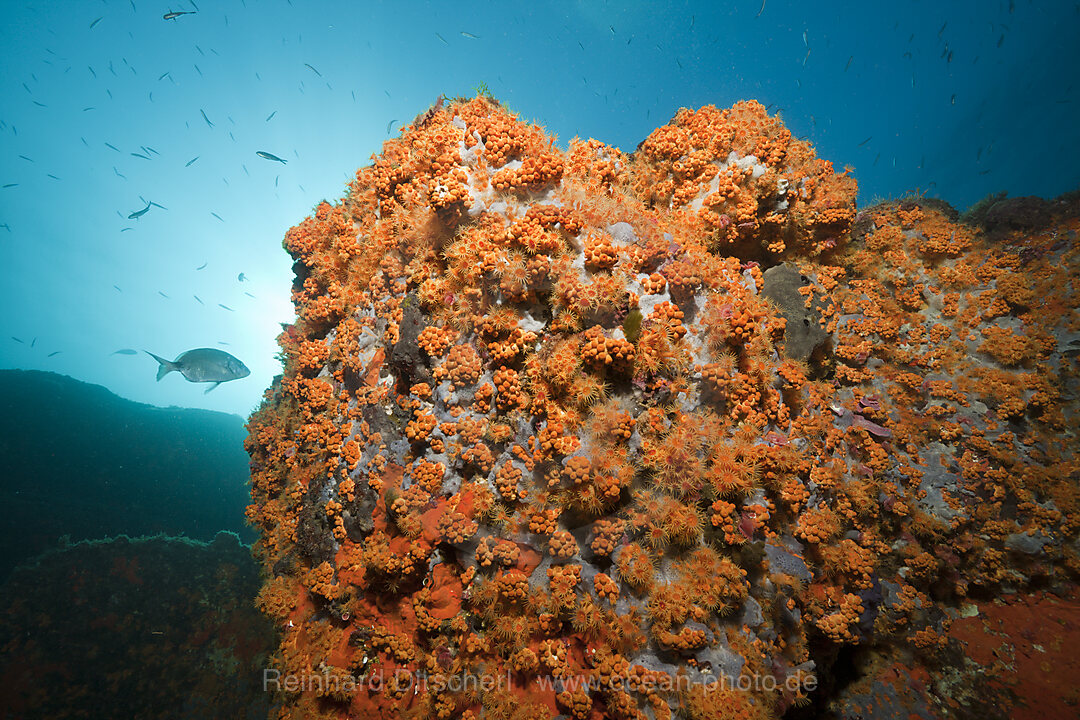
(164, 366)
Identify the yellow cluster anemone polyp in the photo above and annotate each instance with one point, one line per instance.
(603, 434)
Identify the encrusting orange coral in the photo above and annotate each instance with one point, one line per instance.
(633, 422)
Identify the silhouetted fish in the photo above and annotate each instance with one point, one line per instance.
(207, 365)
(139, 213)
(124, 351)
(269, 156)
(172, 15)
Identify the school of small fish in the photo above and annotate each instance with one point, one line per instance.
(191, 16)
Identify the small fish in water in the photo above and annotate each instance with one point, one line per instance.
(124, 351)
(226, 307)
(469, 35)
(269, 156)
(204, 113)
(205, 365)
(17, 340)
(139, 213)
(201, 267)
(241, 277)
(271, 115)
(172, 15)
(312, 69)
(95, 23)
(198, 299)
(192, 160)
(54, 353)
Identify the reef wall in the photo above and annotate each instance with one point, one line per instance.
(154, 627)
(671, 433)
(81, 463)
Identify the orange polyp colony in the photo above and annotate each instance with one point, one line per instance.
(539, 420)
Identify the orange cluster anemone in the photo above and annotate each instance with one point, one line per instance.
(626, 422)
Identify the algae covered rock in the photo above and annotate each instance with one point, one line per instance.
(156, 627)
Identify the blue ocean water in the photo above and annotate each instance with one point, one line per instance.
(110, 108)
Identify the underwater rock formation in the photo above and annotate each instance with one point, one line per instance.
(549, 442)
(153, 627)
(83, 463)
